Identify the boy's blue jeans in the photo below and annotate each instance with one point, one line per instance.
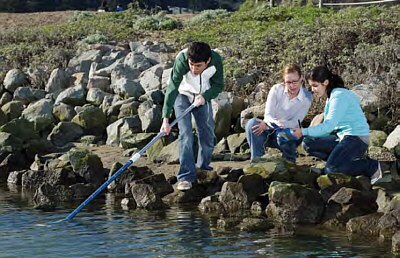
(347, 156)
(203, 116)
(269, 138)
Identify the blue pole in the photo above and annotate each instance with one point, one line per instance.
(132, 160)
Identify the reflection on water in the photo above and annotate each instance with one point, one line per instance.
(105, 230)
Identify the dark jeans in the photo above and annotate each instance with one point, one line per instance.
(269, 138)
(347, 156)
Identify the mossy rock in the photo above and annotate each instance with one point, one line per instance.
(377, 138)
(20, 128)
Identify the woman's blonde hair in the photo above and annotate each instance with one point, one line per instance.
(291, 68)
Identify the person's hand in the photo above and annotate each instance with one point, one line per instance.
(280, 123)
(199, 100)
(165, 126)
(297, 132)
(259, 128)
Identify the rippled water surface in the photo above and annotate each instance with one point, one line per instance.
(105, 230)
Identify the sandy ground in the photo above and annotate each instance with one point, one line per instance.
(10, 21)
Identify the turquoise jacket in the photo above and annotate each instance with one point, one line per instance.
(342, 115)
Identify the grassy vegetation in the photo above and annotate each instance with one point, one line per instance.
(361, 44)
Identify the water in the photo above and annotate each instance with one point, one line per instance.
(105, 230)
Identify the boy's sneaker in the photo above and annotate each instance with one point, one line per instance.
(377, 175)
(184, 185)
(315, 170)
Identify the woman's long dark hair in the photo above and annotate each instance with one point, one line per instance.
(322, 73)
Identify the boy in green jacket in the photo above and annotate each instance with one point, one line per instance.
(196, 78)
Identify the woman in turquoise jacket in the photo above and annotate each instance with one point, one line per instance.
(342, 138)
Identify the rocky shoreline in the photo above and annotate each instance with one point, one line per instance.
(112, 95)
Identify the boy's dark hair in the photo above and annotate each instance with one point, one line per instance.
(322, 73)
(199, 52)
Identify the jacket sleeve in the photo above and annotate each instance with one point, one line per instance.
(179, 69)
(338, 104)
(217, 80)
(270, 106)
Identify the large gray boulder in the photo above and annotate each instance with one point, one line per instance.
(233, 198)
(65, 132)
(95, 96)
(393, 139)
(14, 78)
(126, 88)
(364, 225)
(9, 143)
(151, 116)
(165, 78)
(91, 119)
(74, 96)
(146, 197)
(222, 110)
(63, 112)
(122, 129)
(58, 81)
(83, 62)
(249, 113)
(329, 184)
(348, 203)
(87, 165)
(129, 109)
(24, 94)
(369, 95)
(5, 98)
(48, 196)
(13, 109)
(294, 204)
(107, 70)
(151, 78)
(137, 61)
(138, 140)
(169, 154)
(123, 71)
(40, 113)
(20, 128)
(99, 82)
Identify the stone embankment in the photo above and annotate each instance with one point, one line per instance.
(113, 95)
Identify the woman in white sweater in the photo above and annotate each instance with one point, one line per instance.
(287, 105)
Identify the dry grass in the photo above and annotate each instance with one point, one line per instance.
(11, 21)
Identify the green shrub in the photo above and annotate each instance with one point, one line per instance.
(207, 16)
(155, 22)
(146, 23)
(80, 15)
(95, 38)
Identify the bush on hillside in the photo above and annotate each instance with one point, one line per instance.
(95, 38)
(80, 16)
(207, 16)
(155, 22)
